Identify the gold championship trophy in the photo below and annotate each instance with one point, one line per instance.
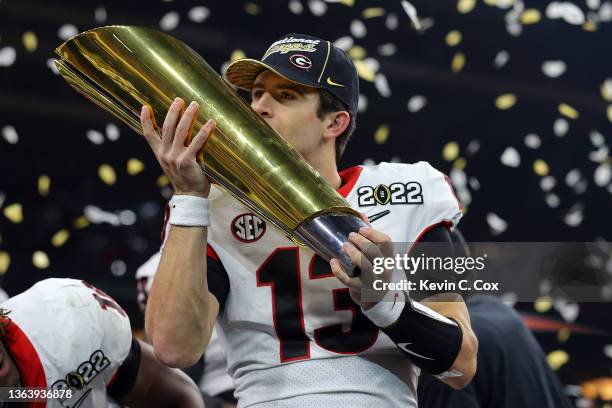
(121, 68)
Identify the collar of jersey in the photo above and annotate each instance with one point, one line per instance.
(25, 357)
(349, 178)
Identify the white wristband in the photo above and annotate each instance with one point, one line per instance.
(388, 309)
(189, 211)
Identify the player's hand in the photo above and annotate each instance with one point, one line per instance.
(177, 160)
(362, 248)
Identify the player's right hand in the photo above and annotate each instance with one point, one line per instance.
(177, 160)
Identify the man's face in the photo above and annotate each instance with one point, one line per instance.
(290, 109)
(9, 375)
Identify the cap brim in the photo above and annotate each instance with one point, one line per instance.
(242, 73)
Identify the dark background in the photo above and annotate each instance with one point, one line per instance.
(52, 122)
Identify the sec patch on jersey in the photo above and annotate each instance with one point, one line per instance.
(247, 227)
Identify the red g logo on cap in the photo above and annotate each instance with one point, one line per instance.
(300, 61)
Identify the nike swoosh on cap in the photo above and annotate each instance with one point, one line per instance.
(332, 83)
(404, 347)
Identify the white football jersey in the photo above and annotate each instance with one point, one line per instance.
(293, 336)
(65, 333)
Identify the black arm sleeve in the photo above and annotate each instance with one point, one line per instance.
(127, 373)
(218, 281)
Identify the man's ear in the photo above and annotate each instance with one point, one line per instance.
(337, 122)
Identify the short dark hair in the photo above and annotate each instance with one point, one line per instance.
(329, 103)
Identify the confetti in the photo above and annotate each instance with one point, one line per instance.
(596, 138)
(458, 177)
(391, 22)
(362, 104)
(107, 174)
(416, 103)
(14, 213)
(568, 111)
(369, 162)
(532, 141)
(606, 90)
(567, 11)
(5, 262)
(450, 151)
(458, 62)
(296, 7)
(67, 31)
(568, 310)
(497, 224)
(603, 175)
(44, 183)
(412, 14)
(344, 43)
(474, 183)
(574, 216)
(465, 6)
(51, 66)
(357, 52)
(540, 167)
(605, 12)
(112, 132)
(473, 147)
(387, 50)
(169, 21)
(162, 181)
(100, 14)
(548, 183)
(127, 217)
(554, 69)
(382, 86)
(60, 238)
(600, 154)
(81, 222)
(589, 26)
(560, 127)
(30, 41)
(510, 157)
(372, 12)
(563, 335)
(382, 134)
(543, 304)
(134, 166)
(118, 268)
(364, 71)
(460, 163)
(199, 14)
(40, 260)
(552, 200)
(593, 4)
(505, 101)
(453, 38)
(236, 55)
(95, 136)
(530, 16)
(573, 177)
(609, 112)
(317, 7)
(608, 350)
(358, 29)
(501, 59)
(8, 55)
(9, 133)
(556, 359)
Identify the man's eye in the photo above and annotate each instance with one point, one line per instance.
(287, 95)
(256, 94)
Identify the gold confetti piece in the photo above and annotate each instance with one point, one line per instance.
(364, 72)
(162, 181)
(81, 222)
(107, 174)
(372, 12)
(44, 183)
(460, 163)
(30, 41)
(357, 52)
(450, 151)
(40, 260)
(236, 55)
(465, 6)
(540, 168)
(563, 335)
(60, 238)
(5, 262)
(530, 16)
(453, 38)
(543, 304)
(349, 3)
(568, 111)
(505, 101)
(382, 134)
(458, 62)
(590, 26)
(14, 213)
(606, 90)
(252, 9)
(134, 166)
(557, 358)
(609, 113)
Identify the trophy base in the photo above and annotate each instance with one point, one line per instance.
(326, 233)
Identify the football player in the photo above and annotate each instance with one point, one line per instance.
(296, 331)
(67, 335)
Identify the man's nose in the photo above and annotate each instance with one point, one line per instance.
(263, 105)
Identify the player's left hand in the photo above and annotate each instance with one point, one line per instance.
(362, 248)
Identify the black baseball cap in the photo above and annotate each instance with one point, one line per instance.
(305, 60)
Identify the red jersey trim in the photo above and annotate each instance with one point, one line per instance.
(448, 181)
(26, 359)
(210, 252)
(349, 178)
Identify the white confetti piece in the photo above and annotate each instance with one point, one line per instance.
(8, 55)
(317, 7)
(553, 69)
(514, 28)
(416, 103)
(396, 159)
(112, 131)
(169, 21)
(358, 29)
(548, 183)
(473, 147)
(608, 350)
(382, 85)
(100, 14)
(593, 4)
(533, 141)
(596, 138)
(296, 7)
(127, 217)
(391, 22)
(606, 89)
(118, 268)
(600, 154)
(362, 104)
(95, 136)
(501, 59)
(412, 14)
(560, 127)
(568, 310)
(474, 183)
(510, 157)
(458, 177)
(573, 177)
(581, 186)
(603, 175)
(98, 216)
(199, 14)
(344, 43)
(67, 31)
(497, 224)
(464, 196)
(51, 66)
(9, 133)
(371, 64)
(369, 162)
(509, 299)
(569, 12)
(574, 216)
(605, 12)
(387, 50)
(552, 200)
